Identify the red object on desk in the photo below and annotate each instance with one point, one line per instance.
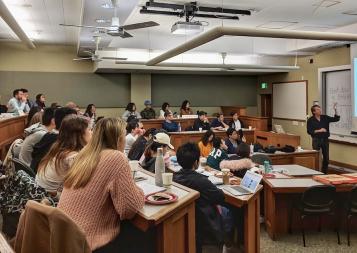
(335, 179)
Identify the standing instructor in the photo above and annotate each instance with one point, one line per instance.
(318, 126)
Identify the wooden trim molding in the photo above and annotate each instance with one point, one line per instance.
(344, 165)
(343, 142)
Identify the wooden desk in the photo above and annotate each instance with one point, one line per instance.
(275, 139)
(259, 123)
(279, 196)
(174, 224)
(10, 130)
(251, 207)
(306, 158)
(179, 138)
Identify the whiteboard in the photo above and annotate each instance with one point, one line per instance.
(338, 89)
(290, 100)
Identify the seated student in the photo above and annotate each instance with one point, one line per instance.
(41, 148)
(217, 154)
(40, 101)
(205, 144)
(74, 106)
(240, 162)
(218, 123)
(138, 147)
(17, 103)
(160, 140)
(35, 134)
(185, 108)
(148, 112)
(168, 124)
(73, 135)
(201, 122)
(188, 156)
(132, 130)
(130, 110)
(99, 191)
(31, 118)
(91, 114)
(164, 108)
(28, 101)
(232, 141)
(235, 123)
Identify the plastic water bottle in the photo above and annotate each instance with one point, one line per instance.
(251, 147)
(266, 167)
(179, 127)
(159, 167)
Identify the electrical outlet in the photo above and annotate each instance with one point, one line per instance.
(295, 123)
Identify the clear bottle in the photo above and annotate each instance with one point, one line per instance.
(179, 127)
(159, 167)
(251, 147)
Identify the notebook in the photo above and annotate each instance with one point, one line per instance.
(149, 188)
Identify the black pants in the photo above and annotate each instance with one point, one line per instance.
(323, 144)
(130, 240)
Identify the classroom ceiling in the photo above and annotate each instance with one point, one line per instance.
(40, 19)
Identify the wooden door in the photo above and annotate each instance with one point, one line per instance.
(266, 108)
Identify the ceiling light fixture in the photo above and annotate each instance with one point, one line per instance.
(101, 21)
(107, 6)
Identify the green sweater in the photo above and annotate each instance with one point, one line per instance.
(215, 158)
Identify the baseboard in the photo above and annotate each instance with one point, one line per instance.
(343, 165)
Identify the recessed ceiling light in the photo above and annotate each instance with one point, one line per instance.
(277, 24)
(326, 3)
(352, 13)
(107, 6)
(101, 21)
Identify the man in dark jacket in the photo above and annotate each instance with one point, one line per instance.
(211, 199)
(43, 146)
(201, 122)
(148, 112)
(318, 126)
(169, 125)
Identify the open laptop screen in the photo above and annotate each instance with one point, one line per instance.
(251, 180)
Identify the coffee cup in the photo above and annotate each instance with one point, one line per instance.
(250, 127)
(200, 129)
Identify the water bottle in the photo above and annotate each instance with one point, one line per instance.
(266, 167)
(251, 147)
(159, 167)
(179, 127)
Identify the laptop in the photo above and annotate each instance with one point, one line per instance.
(279, 129)
(248, 184)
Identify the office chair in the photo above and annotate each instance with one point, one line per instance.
(316, 201)
(351, 211)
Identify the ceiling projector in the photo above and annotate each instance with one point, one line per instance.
(187, 28)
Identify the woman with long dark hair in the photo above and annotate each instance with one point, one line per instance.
(205, 145)
(40, 101)
(130, 110)
(164, 108)
(185, 108)
(91, 114)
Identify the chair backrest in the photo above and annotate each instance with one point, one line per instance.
(47, 229)
(353, 197)
(261, 158)
(19, 165)
(319, 197)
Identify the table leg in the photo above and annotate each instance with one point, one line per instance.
(252, 226)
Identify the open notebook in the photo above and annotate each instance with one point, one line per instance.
(149, 188)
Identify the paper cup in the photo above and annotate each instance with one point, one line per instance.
(200, 129)
(250, 127)
(167, 179)
(134, 165)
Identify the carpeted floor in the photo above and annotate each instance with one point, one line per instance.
(323, 242)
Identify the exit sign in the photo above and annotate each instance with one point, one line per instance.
(264, 85)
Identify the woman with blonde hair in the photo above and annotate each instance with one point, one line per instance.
(73, 136)
(99, 191)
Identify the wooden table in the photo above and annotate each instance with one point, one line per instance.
(174, 224)
(279, 196)
(179, 138)
(251, 207)
(306, 158)
(10, 130)
(275, 139)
